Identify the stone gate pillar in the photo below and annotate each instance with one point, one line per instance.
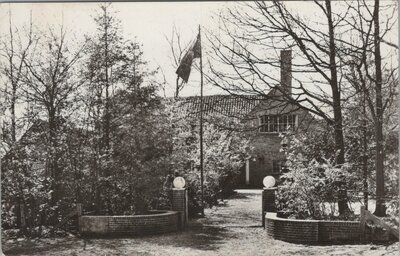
(268, 202)
(179, 204)
(180, 200)
(268, 197)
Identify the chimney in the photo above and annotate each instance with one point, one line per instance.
(286, 71)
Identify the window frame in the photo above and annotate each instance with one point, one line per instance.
(277, 123)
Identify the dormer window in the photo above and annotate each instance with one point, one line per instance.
(277, 123)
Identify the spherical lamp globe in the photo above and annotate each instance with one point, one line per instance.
(269, 182)
(179, 182)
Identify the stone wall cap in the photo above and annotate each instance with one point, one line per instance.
(273, 216)
(155, 214)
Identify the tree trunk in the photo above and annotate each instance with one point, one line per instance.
(364, 156)
(52, 156)
(337, 111)
(107, 103)
(13, 118)
(97, 151)
(380, 209)
(106, 148)
(13, 83)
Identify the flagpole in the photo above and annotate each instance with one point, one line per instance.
(201, 127)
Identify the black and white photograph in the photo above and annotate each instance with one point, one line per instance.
(199, 128)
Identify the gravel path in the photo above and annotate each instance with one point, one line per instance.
(233, 228)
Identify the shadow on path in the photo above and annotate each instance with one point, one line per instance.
(36, 246)
(199, 236)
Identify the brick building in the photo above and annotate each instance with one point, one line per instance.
(269, 116)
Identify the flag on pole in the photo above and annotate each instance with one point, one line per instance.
(194, 51)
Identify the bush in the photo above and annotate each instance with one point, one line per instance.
(310, 189)
(27, 188)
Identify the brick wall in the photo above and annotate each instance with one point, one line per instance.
(297, 231)
(268, 197)
(180, 204)
(311, 231)
(179, 199)
(339, 231)
(129, 225)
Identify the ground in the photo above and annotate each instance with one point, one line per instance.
(233, 228)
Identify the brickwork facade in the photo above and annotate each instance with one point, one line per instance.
(268, 147)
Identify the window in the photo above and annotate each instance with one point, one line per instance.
(275, 123)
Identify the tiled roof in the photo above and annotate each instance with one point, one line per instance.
(227, 105)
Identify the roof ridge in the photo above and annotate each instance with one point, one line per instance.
(225, 104)
(222, 95)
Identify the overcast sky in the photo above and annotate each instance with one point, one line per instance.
(148, 22)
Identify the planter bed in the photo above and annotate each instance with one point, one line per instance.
(157, 222)
(312, 231)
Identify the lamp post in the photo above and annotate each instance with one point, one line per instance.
(269, 182)
(179, 182)
(196, 169)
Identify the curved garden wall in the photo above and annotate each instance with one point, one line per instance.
(311, 231)
(129, 225)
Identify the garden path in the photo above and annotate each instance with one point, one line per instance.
(233, 228)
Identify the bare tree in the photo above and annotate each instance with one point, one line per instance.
(15, 49)
(256, 32)
(50, 81)
(380, 209)
(369, 77)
